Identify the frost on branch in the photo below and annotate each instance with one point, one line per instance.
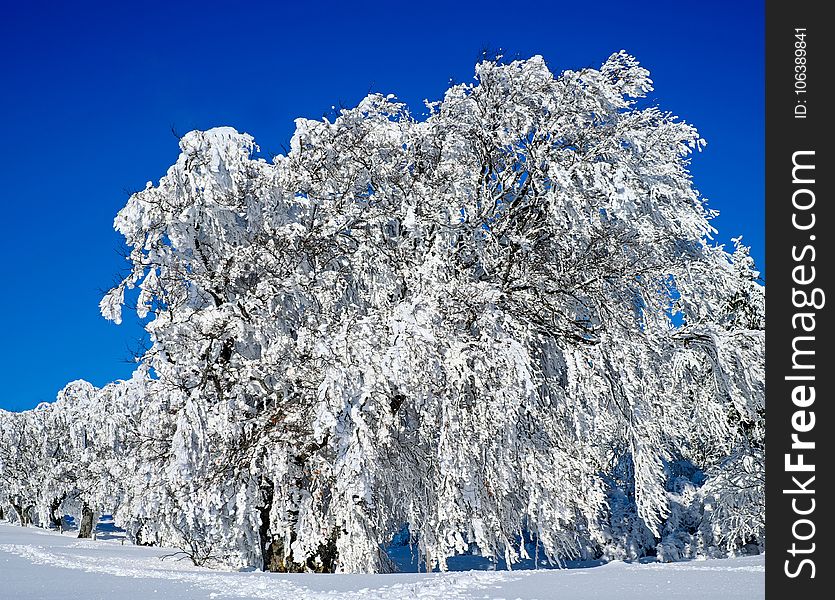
(503, 328)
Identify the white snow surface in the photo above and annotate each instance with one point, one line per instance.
(45, 565)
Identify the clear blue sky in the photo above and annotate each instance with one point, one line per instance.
(91, 91)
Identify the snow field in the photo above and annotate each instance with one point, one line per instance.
(44, 565)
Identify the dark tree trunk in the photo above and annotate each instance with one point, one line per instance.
(1, 513)
(264, 528)
(140, 538)
(54, 516)
(85, 529)
(17, 512)
(275, 555)
(327, 557)
(272, 547)
(22, 514)
(275, 558)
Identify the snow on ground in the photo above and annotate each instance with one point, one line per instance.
(39, 564)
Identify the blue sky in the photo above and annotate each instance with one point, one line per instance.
(91, 92)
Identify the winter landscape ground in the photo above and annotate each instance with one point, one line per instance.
(40, 564)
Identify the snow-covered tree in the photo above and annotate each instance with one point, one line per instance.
(20, 463)
(504, 326)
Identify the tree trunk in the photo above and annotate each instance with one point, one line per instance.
(85, 529)
(273, 550)
(21, 512)
(1, 513)
(139, 538)
(272, 546)
(55, 519)
(264, 528)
